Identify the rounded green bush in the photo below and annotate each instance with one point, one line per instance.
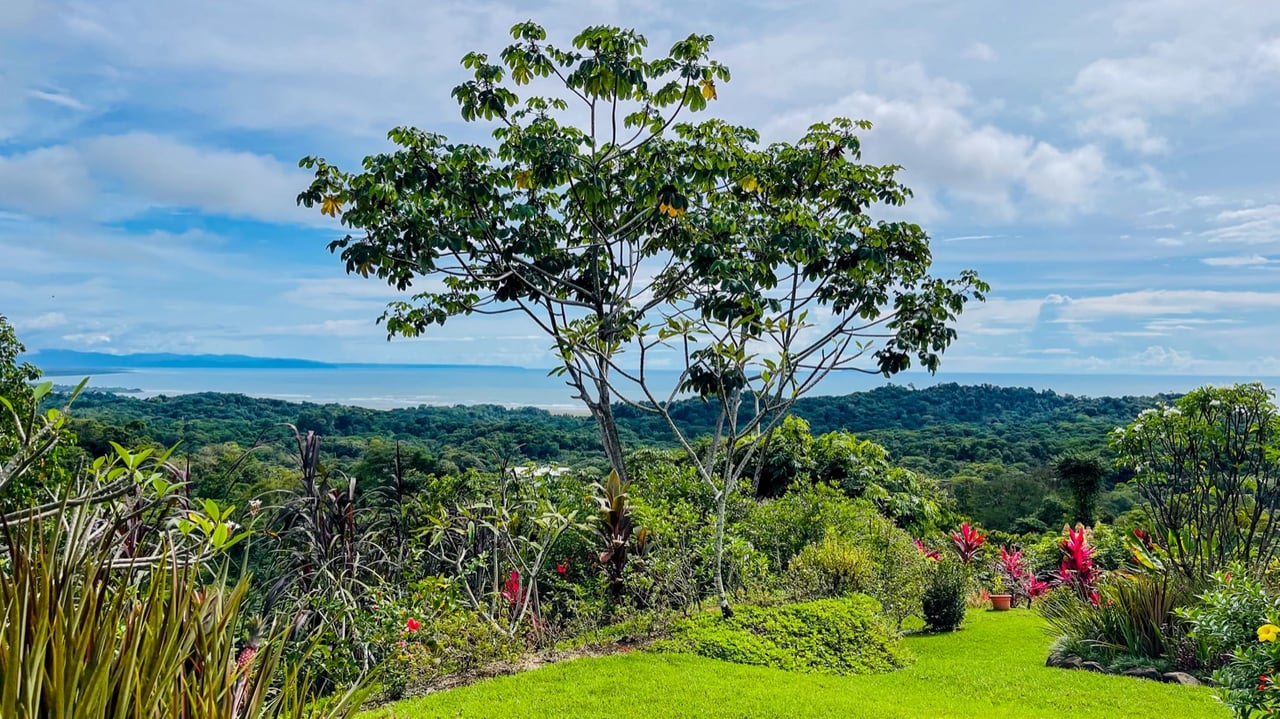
(829, 636)
(944, 597)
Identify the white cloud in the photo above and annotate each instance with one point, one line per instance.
(329, 328)
(123, 175)
(87, 338)
(1162, 357)
(341, 294)
(981, 52)
(168, 173)
(1249, 226)
(57, 98)
(48, 180)
(1134, 133)
(925, 128)
(45, 321)
(1239, 261)
(1153, 303)
(1178, 59)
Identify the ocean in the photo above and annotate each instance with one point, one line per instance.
(386, 388)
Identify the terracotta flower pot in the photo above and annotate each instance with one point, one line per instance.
(1000, 602)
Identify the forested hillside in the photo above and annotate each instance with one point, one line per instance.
(992, 447)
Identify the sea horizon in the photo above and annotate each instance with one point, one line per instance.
(389, 387)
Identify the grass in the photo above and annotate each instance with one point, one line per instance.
(993, 667)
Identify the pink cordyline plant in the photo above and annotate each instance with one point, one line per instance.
(512, 591)
(968, 541)
(930, 554)
(1022, 583)
(1077, 569)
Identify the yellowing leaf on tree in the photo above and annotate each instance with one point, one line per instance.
(708, 89)
(750, 183)
(524, 180)
(330, 205)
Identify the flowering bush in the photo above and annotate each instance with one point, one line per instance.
(1236, 623)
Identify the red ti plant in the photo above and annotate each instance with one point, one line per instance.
(1077, 569)
(512, 591)
(930, 554)
(1022, 583)
(967, 542)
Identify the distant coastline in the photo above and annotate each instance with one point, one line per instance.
(396, 386)
(66, 362)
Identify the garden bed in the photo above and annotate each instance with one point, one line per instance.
(995, 666)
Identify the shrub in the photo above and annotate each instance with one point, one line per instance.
(1135, 615)
(678, 508)
(944, 601)
(832, 567)
(900, 571)
(872, 557)
(1235, 624)
(453, 643)
(780, 528)
(828, 636)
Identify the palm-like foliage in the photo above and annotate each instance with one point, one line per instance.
(108, 607)
(616, 530)
(328, 557)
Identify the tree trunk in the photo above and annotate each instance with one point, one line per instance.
(602, 411)
(722, 503)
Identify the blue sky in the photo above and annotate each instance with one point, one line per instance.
(1109, 167)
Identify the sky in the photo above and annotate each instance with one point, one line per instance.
(1108, 167)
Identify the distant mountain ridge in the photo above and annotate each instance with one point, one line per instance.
(53, 361)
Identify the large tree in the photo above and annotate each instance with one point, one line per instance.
(635, 241)
(1083, 474)
(1208, 470)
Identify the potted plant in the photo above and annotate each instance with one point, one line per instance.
(1000, 599)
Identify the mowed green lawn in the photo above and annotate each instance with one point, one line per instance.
(994, 667)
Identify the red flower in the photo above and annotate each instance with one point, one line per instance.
(561, 568)
(1264, 682)
(413, 625)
